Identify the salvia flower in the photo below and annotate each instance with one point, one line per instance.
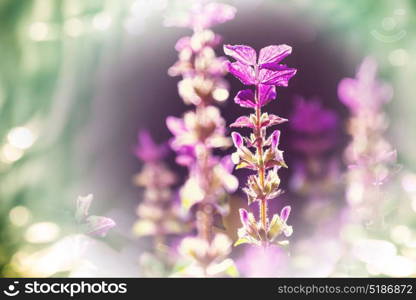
(201, 131)
(365, 91)
(204, 127)
(311, 118)
(264, 72)
(157, 215)
(93, 225)
(371, 158)
(316, 132)
(201, 70)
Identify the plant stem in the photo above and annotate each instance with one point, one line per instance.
(261, 169)
(205, 210)
(263, 213)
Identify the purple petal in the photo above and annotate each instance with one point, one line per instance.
(244, 217)
(266, 94)
(243, 72)
(242, 122)
(275, 137)
(185, 155)
(237, 139)
(274, 54)
(227, 163)
(284, 213)
(147, 149)
(241, 53)
(245, 98)
(182, 43)
(277, 75)
(275, 120)
(99, 226)
(348, 93)
(310, 117)
(175, 125)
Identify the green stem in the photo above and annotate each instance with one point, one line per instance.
(261, 168)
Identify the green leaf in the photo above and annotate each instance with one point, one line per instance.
(241, 241)
(232, 271)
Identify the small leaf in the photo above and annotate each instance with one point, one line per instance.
(232, 271)
(242, 165)
(241, 241)
(98, 225)
(283, 243)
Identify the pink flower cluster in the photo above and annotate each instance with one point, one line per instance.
(200, 131)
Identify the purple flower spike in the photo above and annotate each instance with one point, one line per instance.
(266, 159)
(284, 213)
(370, 157)
(241, 53)
(364, 91)
(237, 140)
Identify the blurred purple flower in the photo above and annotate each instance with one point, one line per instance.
(147, 150)
(310, 117)
(207, 128)
(370, 157)
(262, 262)
(202, 130)
(364, 91)
(202, 16)
(316, 127)
(158, 216)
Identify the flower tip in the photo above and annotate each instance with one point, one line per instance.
(226, 47)
(275, 139)
(237, 139)
(285, 212)
(243, 216)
